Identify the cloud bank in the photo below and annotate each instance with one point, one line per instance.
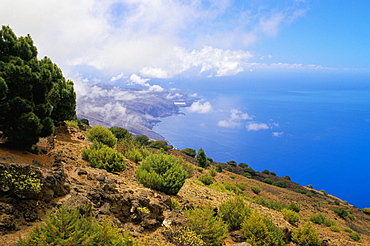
(152, 39)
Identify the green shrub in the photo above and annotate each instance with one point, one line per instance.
(72, 123)
(103, 157)
(250, 171)
(335, 228)
(68, 227)
(234, 212)
(266, 171)
(183, 236)
(287, 177)
(229, 169)
(160, 144)
(142, 139)
(120, 132)
(294, 207)
(102, 135)
(343, 213)
(273, 173)
(202, 159)
(306, 236)
(247, 175)
(188, 167)
(280, 184)
(218, 187)
(268, 181)
(137, 154)
(232, 163)
(242, 185)
(256, 189)
(290, 216)
(232, 188)
(174, 205)
(204, 222)
(366, 211)
(189, 151)
(84, 121)
(212, 171)
(219, 167)
(161, 172)
(260, 231)
(347, 230)
(355, 236)
(206, 179)
(318, 218)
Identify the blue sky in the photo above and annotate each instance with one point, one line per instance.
(133, 41)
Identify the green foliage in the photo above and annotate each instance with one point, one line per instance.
(335, 228)
(205, 223)
(355, 236)
(212, 171)
(250, 171)
(318, 218)
(260, 231)
(33, 93)
(27, 181)
(160, 144)
(242, 185)
(343, 213)
(234, 212)
(273, 173)
(366, 211)
(290, 216)
(219, 167)
(68, 227)
(243, 165)
(347, 230)
(202, 158)
(72, 123)
(183, 236)
(174, 205)
(266, 171)
(256, 189)
(306, 236)
(268, 181)
(137, 154)
(206, 179)
(188, 167)
(85, 121)
(233, 188)
(161, 172)
(280, 184)
(287, 177)
(120, 132)
(142, 139)
(218, 186)
(232, 163)
(229, 168)
(189, 151)
(294, 207)
(104, 157)
(102, 135)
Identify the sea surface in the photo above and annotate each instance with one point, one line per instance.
(315, 127)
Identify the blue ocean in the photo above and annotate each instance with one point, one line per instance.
(315, 126)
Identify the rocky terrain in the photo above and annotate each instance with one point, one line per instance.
(67, 179)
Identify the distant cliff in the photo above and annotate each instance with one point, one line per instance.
(135, 109)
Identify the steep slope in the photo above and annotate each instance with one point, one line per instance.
(67, 179)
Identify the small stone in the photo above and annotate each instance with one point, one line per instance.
(81, 172)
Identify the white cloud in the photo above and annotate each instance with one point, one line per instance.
(236, 116)
(138, 80)
(153, 39)
(198, 107)
(253, 126)
(277, 134)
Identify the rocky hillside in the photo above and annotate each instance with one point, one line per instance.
(31, 185)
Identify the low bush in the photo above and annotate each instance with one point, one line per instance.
(233, 188)
(189, 151)
(318, 218)
(343, 213)
(160, 144)
(234, 212)
(270, 204)
(219, 167)
(290, 216)
(120, 132)
(218, 186)
(137, 154)
(161, 172)
(242, 185)
(183, 236)
(268, 181)
(205, 223)
(355, 236)
(306, 236)
(256, 189)
(260, 231)
(212, 171)
(294, 207)
(335, 228)
(366, 211)
(103, 157)
(280, 184)
(102, 135)
(206, 179)
(68, 227)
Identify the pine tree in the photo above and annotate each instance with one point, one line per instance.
(202, 158)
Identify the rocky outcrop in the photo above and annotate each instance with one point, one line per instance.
(26, 192)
